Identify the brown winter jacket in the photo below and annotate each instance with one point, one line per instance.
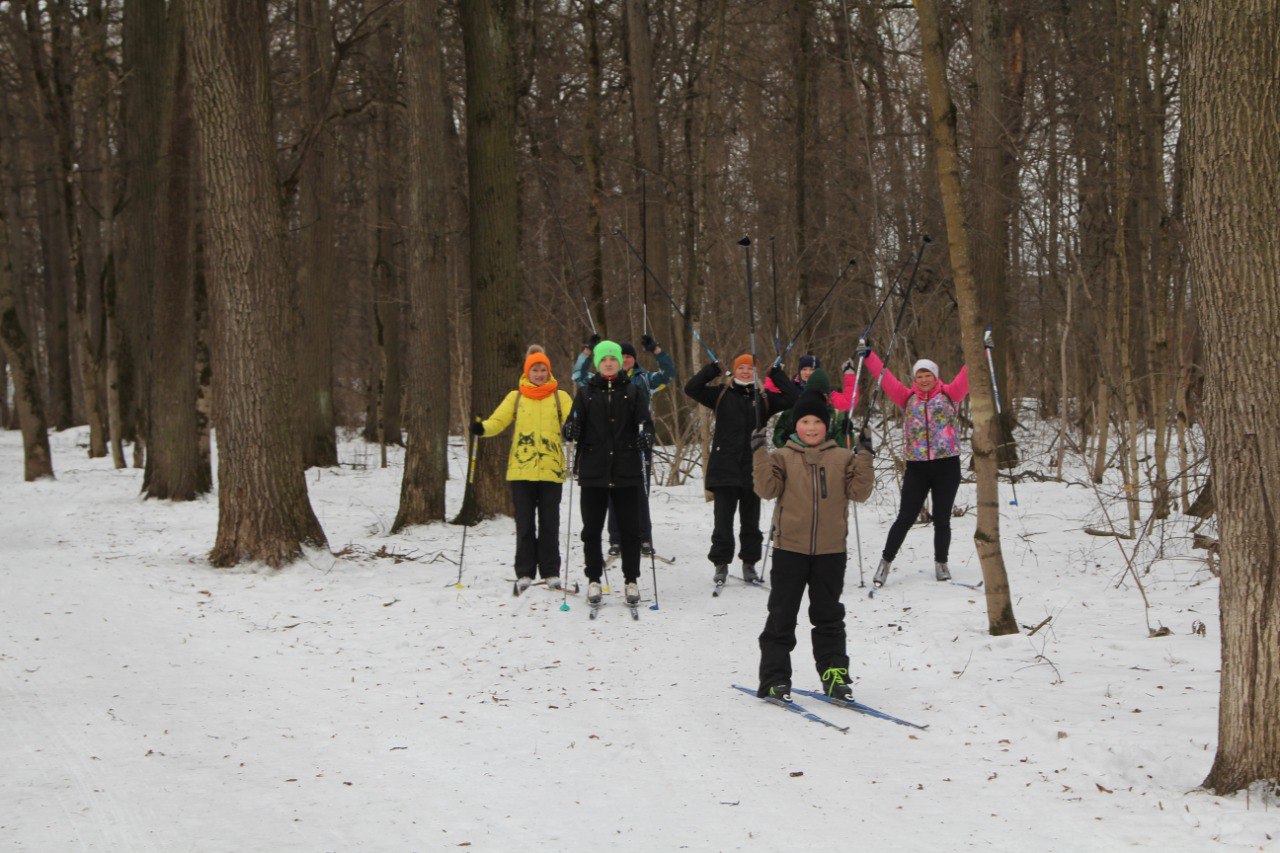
(813, 486)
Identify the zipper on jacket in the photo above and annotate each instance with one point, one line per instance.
(813, 533)
(822, 476)
(928, 438)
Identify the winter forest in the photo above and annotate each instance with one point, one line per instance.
(309, 309)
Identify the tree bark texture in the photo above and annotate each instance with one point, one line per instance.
(1232, 80)
(263, 510)
(986, 538)
(173, 470)
(422, 489)
(496, 350)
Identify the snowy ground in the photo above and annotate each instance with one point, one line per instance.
(149, 702)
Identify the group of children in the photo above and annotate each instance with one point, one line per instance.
(817, 466)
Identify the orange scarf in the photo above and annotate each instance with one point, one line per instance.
(538, 392)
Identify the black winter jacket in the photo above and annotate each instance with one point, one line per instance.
(610, 413)
(729, 465)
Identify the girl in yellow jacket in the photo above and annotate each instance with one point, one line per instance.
(536, 466)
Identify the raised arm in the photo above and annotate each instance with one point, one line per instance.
(783, 398)
(957, 388)
(846, 400)
(580, 374)
(697, 388)
(897, 392)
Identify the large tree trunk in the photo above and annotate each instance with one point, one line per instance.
(263, 510)
(1000, 617)
(422, 489)
(36, 459)
(496, 351)
(1232, 116)
(173, 469)
(316, 211)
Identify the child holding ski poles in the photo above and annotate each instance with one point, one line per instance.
(649, 383)
(931, 428)
(611, 424)
(739, 411)
(813, 481)
(535, 466)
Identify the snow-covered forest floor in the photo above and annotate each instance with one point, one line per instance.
(356, 702)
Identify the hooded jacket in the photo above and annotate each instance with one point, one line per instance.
(931, 426)
(813, 487)
(536, 452)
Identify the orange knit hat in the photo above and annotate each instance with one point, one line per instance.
(745, 358)
(536, 355)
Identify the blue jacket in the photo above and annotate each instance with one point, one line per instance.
(648, 381)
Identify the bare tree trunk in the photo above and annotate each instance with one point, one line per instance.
(1000, 618)
(263, 510)
(496, 351)
(315, 242)
(1232, 115)
(426, 468)
(591, 161)
(173, 457)
(37, 462)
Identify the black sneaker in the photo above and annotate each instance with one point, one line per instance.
(646, 549)
(780, 691)
(749, 573)
(722, 573)
(614, 551)
(835, 683)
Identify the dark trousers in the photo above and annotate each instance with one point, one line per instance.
(595, 505)
(646, 526)
(790, 574)
(745, 504)
(537, 527)
(942, 478)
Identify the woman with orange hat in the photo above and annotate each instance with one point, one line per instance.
(535, 467)
(739, 411)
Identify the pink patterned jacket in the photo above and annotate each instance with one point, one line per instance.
(932, 423)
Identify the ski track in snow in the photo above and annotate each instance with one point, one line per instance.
(151, 702)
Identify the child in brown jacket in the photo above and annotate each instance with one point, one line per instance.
(813, 481)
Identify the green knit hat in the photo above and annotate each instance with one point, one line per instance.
(819, 381)
(603, 350)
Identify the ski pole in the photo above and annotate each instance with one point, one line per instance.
(466, 491)
(568, 540)
(653, 563)
(777, 321)
(644, 246)
(618, 233)
(745, 243)
(814, 312)
(893, 339)
(989, 345)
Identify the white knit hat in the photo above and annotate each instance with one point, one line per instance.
(926, 364)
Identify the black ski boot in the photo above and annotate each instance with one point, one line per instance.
(835, 683)
(646, 549)
(722, 573)
(780, 692)
(749, 573)
(614, 552)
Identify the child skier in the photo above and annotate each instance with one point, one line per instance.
(931, 428)
(611, 424)
(535, 467)
(738, 412)
(813, 481)
(785, 425)
(650, 383)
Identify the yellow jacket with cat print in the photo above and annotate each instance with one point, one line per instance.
(536, 452)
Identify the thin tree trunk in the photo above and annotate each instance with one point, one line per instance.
(1232, 121)
(1000, 618)
(263, 510)
(426, 468)
(591, 161)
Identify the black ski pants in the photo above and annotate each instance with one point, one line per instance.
(646, 525)
(942, 478)
(789, 576)
(537, 527)
(746, 505)
(595, 505)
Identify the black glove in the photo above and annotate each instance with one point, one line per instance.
(647, 341)
(714, 369)
(477, 427)
(864, 441)
(646, 439)
(591, 342)
(866, 353)
(572, 429)
(758, 440)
